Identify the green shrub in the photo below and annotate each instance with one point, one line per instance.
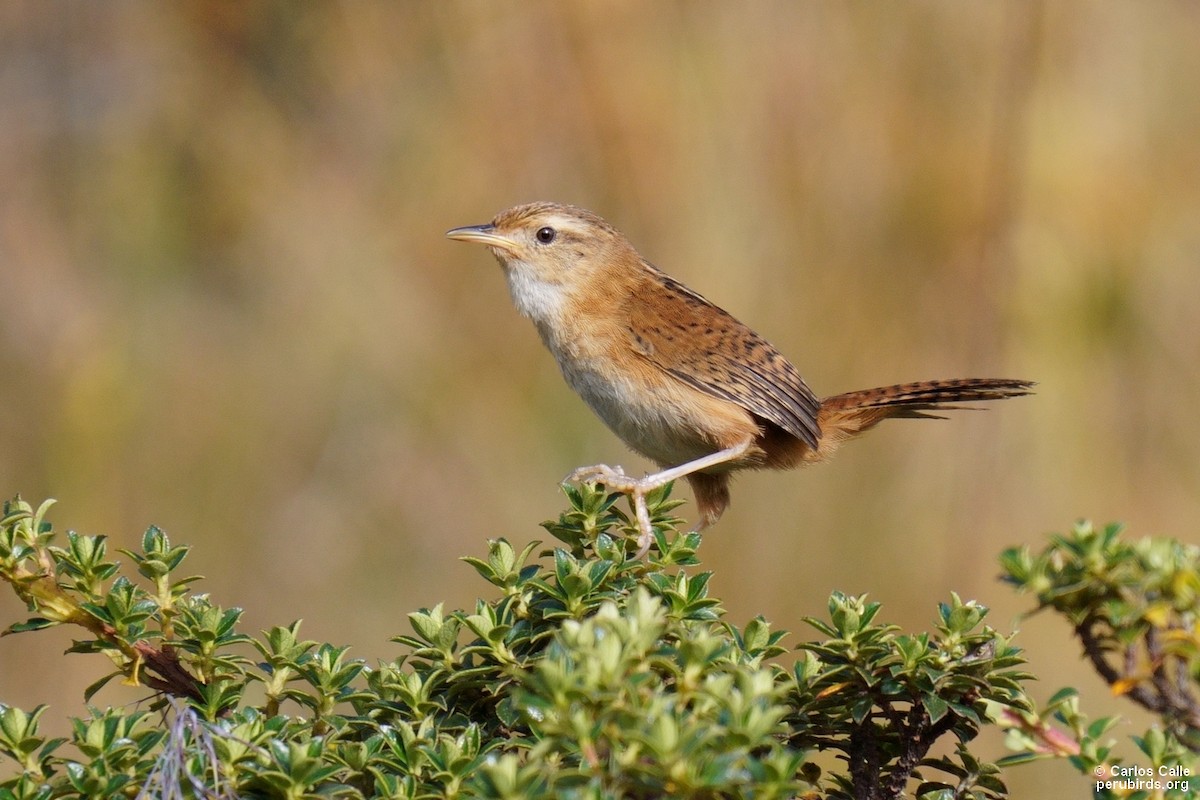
(585, 674)
(1135, 609)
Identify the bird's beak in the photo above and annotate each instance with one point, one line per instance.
(483, 234)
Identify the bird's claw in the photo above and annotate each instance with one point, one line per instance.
(612, 477)
(636, 488)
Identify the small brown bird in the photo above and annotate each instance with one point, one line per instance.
(677, 378)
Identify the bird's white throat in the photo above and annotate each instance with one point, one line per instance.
(539, 300)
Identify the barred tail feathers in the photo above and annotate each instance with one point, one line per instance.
(844, 416)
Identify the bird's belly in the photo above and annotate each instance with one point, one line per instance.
(659, 418)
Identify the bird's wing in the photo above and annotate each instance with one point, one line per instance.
(707, 348)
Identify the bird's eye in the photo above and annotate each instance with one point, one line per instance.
(546, 235)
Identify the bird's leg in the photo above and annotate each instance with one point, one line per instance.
(637, 488)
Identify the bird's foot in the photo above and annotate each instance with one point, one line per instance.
(636, 488)
(613, 477)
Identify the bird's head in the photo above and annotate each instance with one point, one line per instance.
(554, 256)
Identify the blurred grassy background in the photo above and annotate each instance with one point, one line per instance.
(229, 310)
